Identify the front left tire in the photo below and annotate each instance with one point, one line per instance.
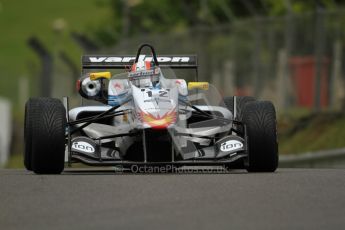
(260, 120)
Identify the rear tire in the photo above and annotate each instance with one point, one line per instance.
(47, 119)
(260, 120)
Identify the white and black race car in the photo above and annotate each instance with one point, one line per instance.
(148, 116)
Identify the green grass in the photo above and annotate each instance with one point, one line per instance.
(21, 19)
(312, 133)
(16, 161)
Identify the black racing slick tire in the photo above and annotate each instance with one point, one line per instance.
(241, 101)
(47, 117)
(260, 120)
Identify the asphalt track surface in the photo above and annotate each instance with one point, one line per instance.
(287, 199)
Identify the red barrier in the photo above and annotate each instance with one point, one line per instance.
(303, 79)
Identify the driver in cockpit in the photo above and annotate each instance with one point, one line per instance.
(145, 74)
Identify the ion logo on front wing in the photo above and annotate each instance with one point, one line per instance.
(231, 145)
(83, 145)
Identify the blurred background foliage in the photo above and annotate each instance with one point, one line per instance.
(107, 22)
(255, 40)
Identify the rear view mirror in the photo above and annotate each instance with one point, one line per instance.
(198, 85)
(99, 75)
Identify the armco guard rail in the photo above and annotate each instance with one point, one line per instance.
(334, 158)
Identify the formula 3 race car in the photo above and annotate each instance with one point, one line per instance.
(146, 116)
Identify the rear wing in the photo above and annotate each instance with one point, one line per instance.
(125, 61)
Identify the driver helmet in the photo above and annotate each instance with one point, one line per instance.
(144, 74)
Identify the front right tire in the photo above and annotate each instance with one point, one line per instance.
(45, 124)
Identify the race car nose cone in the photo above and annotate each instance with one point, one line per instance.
(159, 122)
